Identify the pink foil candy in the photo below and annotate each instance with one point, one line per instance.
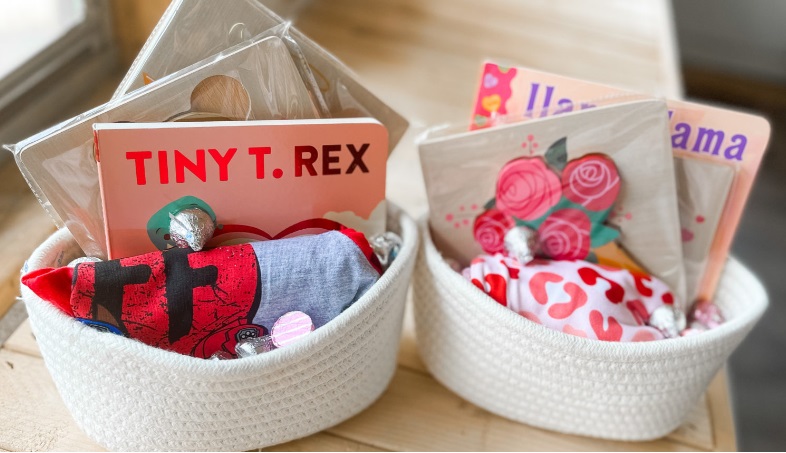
(708, 314)
(455, 265)
(291, 327)
(221, 355)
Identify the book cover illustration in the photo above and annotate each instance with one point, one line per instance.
(597, 184)
(720, 148)
(258, 180)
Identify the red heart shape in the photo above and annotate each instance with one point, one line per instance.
(309, 224)
(577, 299)
(615, 294)
(614, 332)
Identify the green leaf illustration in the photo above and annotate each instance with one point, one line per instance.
(536, 223)
(597, 217)
(480, 120)
(557, 154)
(491, 204)
(531, 224)
(592, 257)
(602, 235)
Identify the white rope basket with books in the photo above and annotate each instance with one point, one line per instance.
(526, 372)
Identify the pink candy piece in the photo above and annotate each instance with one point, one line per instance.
(708, 314)
(291, 327)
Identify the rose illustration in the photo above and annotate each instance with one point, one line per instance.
(565, 235)
(527, 188)
(490, 228)
(591, 181)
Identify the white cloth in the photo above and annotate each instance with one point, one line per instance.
(529, 373)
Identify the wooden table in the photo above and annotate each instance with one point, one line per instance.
(423, 58)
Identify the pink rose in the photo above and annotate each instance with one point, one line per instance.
(565, 235)
(591, 181)
(490, 228)
(527, 188)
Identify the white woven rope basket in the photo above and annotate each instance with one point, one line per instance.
(523, 371)
(129, 396)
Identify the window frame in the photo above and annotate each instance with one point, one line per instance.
(44, 89)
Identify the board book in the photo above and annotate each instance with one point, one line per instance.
(260, 180)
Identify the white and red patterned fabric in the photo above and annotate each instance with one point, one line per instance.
(573, 296)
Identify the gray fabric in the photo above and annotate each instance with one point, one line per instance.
(319, 275)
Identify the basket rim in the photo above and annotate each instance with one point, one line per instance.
(228, 369)
(592, 348)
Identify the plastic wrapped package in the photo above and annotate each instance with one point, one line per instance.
(611, 195)
(256, 80)
(288, 9)
(191, 30)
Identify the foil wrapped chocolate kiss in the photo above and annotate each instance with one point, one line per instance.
(191, 227)
(669, 319)
(522, 244)
(386, 246)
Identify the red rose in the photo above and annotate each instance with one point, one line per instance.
(565, 235)
(527, 188)
(490, 228)
(591, 181)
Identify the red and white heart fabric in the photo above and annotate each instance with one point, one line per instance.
(576, 297)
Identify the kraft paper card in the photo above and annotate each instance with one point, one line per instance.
(612, 172)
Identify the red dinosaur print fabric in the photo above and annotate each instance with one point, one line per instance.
(172, 300)
(199, 303)
(575, 297)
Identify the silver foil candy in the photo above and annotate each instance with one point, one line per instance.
(254, 346)
(522, 244)
(669, 320)
(221, 355)
(191, 227)
(84, 259)
(386, 246)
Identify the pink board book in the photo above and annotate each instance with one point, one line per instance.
(259, 180)
(717, 151)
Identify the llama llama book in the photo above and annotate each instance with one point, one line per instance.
(259, 180)
(717, 154)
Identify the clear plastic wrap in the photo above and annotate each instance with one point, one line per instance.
(466, 186)
(191, 30)
(703, 188)
(256, 79)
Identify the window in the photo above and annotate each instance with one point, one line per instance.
(52, 53)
